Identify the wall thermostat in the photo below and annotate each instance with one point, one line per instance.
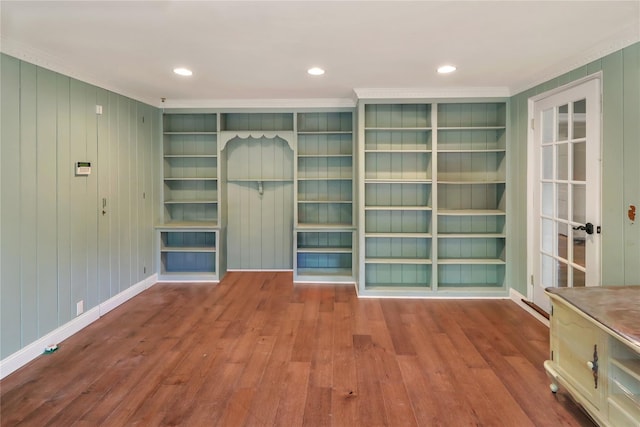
(83, 168)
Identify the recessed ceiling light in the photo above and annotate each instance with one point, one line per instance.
(315, 71)
(445, 69)
(182, 71)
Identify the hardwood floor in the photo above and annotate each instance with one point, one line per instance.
(255, 350)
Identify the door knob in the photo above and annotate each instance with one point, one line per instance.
(587, 228)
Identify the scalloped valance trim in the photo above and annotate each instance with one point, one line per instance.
(286, 136)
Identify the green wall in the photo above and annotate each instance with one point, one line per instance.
(620, 168)
(56, 246)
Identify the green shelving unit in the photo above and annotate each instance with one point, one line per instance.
(189, 235)
(434, 205)
(324, 231)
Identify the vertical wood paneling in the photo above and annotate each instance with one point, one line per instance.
(78, 202)
(133, 193)
(28, 202)
(260, 227)
(91, 200)
(145, 157)
(271, 204)
(65, 172)
(51, 220)
(123, 222)
(631, 187)
(238, 237)
(103, 171)
(621, 99)
(10, 306)
(612, 168)
(115, 196)
(253, 237)
(47, 255)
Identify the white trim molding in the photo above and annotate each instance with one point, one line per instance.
(518, 298)
(28, 353)
(431, 93)
(259, 104)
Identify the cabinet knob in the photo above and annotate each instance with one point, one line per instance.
(590, 365)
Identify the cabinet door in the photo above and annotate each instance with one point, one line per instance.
(575, 343)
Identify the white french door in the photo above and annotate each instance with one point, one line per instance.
(564, 183)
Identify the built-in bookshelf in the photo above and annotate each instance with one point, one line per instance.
(434, 204)
(398, 210)
(324, 231)
(471, 193)
(188, 235)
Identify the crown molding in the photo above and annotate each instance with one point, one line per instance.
(431, 93)
(244, 104)
(632, 36)
(53, 63)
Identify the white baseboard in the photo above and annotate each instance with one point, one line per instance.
(517, 297)
(127, 294)
(31, 351)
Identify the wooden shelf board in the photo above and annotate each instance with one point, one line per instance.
(471, 212)
(410, 261)
(190, 202)
(188, 225)
(169, 178)
(325, 132)
(190, 133)
(470, 182)
(331, 156)
(393, 128)
(325, 227)
(471, 235)
(329, 178)
(259, 179)
(630, 366)
(471, 150)
(338, 228)
(327, 250)
(470, 261)
(400, 235)
(397, 208)
(397, 181)
(399, 151)
(190, 156)
(324, 271)
(198, 249)
(453, 128)
(325, 201)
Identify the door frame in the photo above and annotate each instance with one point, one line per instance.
(532, 174)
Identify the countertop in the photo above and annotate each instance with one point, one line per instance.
(616, 307)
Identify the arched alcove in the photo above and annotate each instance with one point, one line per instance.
(259, 191)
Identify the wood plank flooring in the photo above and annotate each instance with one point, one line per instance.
(255, 350)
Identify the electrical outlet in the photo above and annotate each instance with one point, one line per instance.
(79, 307)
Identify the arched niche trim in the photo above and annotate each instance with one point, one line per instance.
(287, 136)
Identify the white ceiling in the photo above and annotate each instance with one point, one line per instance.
(251, 53)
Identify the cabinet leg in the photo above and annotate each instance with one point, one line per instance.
(551, 374)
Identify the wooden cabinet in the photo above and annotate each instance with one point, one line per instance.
(433, 184)
(595, 351)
